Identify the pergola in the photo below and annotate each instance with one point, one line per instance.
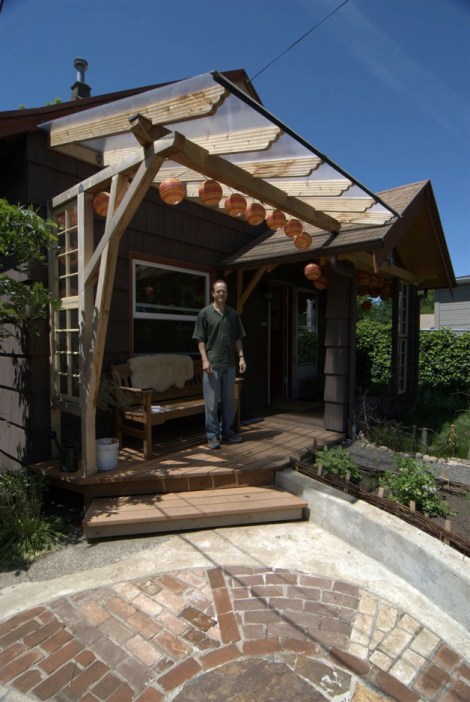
(201, 128)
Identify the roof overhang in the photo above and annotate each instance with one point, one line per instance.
(226, 134)
(412, 248)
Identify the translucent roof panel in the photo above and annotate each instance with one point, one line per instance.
(218, 117)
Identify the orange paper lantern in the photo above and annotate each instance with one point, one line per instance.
(101, 204)
(320, 283)
(210, 193)
(386, 292)
(312, 271)
(303, 241)
(362, 279)
(276, 220)
(235, 205)
(171, 191)
(293, 227)
(255, 214)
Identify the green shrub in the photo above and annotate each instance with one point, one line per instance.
(374, 355)
(337, 461)
(25, 533)
(444, 361)
(414, 482)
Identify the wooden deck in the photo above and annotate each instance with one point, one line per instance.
(182, 460)
(186, 485)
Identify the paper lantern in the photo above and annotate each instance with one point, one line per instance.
(386, 292)
(366, 305)
(210, 193)
(276, 220)
(235, 205)
(293, 227)
(362, 279)
(303, 241)
(255, 214)
(171, 191)
(320, 283)
(312, 271)
(101, 204)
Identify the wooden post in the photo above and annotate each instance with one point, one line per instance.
(424, 438)
(380, 492)
(447, 527)
(412, 506)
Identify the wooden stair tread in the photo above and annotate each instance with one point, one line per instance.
(111, 516)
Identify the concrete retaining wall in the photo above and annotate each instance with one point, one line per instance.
(436, 570)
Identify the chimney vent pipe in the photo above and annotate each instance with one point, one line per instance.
(80, 89)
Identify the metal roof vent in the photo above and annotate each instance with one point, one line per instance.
(80, 89)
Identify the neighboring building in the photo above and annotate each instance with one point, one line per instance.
(452, 306)
(133, 282)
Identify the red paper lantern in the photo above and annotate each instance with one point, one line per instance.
(303, 241)
(101, 204)
(255, 214)
(312, 271)
(235, 205)
(276, 220)
(292, 228)
(210, 193)
(171, 191)
(320, 283)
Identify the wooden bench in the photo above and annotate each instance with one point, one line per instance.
(135, 416)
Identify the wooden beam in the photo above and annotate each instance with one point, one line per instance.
(118, 221)
(192, 156)
(85, 222)
(250, 287)
(366, 261)
(101, 180)
(144, 131)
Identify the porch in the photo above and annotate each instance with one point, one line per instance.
(186, 485)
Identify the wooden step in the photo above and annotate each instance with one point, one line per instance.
(182, 511)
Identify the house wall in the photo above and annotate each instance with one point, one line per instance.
(186, 233)
(452, 307)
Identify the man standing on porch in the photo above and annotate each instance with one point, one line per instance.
(219, 333)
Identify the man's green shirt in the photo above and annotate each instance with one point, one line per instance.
(219, 333)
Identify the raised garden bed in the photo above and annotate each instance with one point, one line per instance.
(455, 530)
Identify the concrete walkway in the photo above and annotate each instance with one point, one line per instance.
(273, 612)
(352, 605)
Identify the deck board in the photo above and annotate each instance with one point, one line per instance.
(198, 509)
(184, 462)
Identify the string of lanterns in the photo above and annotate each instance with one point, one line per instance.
(172, 192)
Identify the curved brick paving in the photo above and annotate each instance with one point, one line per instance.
(245, 634)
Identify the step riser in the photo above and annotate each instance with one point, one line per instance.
(287, 515)
(186, 484)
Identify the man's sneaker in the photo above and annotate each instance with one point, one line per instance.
(233, 438)
(213, 443)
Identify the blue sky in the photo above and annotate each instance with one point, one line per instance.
(382, 87)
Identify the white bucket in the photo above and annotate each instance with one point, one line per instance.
(107, 451)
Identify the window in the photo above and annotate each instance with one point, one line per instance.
(403, 310)
(166, 302)
(65, 323)
(307, 332)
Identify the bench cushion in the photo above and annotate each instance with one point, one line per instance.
(161, 371)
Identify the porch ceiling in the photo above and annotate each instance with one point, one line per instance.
(281, 169)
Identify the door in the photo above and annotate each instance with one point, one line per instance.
(280, 342)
